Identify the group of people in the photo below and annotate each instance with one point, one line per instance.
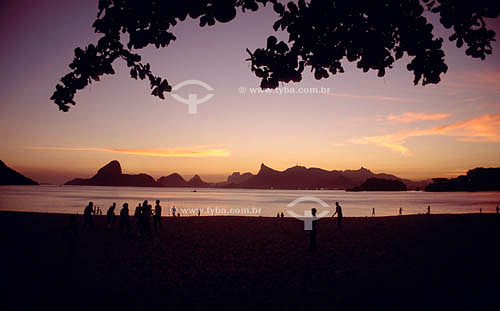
(142, 217)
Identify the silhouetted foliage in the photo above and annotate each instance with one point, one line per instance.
(321, 34)
(478, 179)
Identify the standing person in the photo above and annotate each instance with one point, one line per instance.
(312, 235)
(157, 217)
(173, 211)
(373, 211)
(428, 210)
(400, 211)
(137, 213)
(498, 209)
(338, 212)
(124, 219)
(199, 212)
(146, 219)
(110, 215)
(282, 215)
(88, 219)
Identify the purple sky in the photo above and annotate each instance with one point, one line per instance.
(385, 124)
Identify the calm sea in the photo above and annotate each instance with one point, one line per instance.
(72, 199)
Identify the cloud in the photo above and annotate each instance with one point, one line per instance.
(489, 80)
(409, 117)
(485, 128)
(188, 152)
(372, 97)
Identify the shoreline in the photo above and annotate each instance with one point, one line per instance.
(164, 217)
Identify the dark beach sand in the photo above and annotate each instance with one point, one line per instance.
(408, 262)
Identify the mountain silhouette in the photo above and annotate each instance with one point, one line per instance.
(111, 175)
(172, 180)
(478, 179)
(238, 178)
(197, 182)
(379, 184)
(9, 176)
(296, 177)
(300, 177)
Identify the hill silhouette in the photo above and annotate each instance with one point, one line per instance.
(172, 180)
(379, 184)
(297, 177)
(196, 182)
(9, 176)
(478, 179)
(111, 175)
(300, 177)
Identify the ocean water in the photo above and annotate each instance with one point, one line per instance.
(238, 202)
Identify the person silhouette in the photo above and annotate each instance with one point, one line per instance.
(312, 234)
(146, 219)
(278, 214)
(282, 215)
(137, 213)
(110, 215)
(498, 209)
(373, 211)
(124, 219)
(173, 211)
(157, 216)
(400, 211)
(428, 210)
(338, 212)
(88, 219)
(199, 212)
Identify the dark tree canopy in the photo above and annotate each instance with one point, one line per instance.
(321, 35)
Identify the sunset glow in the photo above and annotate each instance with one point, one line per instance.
(385, 124)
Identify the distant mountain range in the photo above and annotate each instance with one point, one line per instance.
(478, 179)
(10, 177)
(111, 175)
(297, 177)
(300, 177)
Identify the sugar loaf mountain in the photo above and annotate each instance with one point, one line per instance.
(297, 177)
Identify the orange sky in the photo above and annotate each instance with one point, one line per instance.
(384, 124)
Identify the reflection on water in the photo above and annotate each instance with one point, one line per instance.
(72, 199)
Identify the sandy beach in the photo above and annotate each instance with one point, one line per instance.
(248, 262)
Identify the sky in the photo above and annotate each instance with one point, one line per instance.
(384, 124)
